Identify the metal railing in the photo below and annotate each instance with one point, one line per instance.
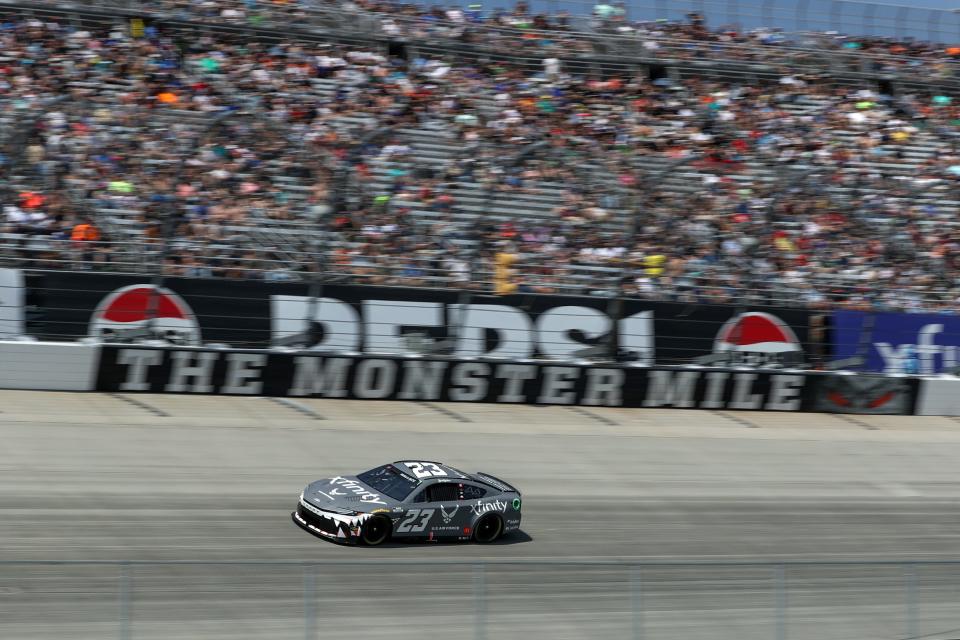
(511, 598)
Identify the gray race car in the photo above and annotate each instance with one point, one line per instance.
(409, 500)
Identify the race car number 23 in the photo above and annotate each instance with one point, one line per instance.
(426, 469)
(415, 521)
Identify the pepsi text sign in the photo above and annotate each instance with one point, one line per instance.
(377, 319)
(921, 343)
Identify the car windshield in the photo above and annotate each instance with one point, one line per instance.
(388, 480)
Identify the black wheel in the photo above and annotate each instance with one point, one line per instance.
(375, 531)
(488, 529)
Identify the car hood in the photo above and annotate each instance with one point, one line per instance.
(346, 494)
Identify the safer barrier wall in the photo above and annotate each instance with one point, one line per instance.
(52, 366)
(231, 372)
(938, 397)
(301, 374)
(357, 341)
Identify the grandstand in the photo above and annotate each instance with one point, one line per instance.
(661, 161)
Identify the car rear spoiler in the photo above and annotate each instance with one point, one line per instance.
(496, 482)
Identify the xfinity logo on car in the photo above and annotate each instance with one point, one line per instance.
(492, 330)
(486, 507)
(354, 487)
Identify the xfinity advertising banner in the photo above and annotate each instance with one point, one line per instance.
(393, 320)
(913, 343)
(304, 375)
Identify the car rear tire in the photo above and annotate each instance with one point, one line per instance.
(375, 531)
(488, 529)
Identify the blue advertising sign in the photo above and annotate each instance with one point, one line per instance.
(913, 343)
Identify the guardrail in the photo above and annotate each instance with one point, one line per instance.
(498, 598)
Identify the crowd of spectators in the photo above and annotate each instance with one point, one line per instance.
(608, 28)
(125, 155)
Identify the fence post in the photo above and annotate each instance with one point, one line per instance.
(309, 602)
(910, 586)
(479, 602)
(636, 602)
(125, 587)
(780, 614)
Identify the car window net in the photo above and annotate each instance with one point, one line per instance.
(389, 481)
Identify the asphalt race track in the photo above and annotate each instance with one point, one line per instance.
(182, 481)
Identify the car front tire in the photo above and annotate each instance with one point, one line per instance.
(375, 531)
(488, 529)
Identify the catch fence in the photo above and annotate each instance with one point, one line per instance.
(531, 274)
(347, 318)
(479, 599)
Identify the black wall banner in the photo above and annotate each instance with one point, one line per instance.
(249, 314)
(305, 375)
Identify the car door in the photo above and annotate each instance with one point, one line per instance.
(453, 512)
(420, 516)
(457, 509)
(437, 511)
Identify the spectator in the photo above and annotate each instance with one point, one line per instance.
(556, 161)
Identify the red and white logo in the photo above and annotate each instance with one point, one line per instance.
(127, 312)
(757, 338)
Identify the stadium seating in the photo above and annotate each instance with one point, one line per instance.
(283, 161)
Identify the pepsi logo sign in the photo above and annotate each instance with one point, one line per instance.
(145, 311)
(757, 338)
